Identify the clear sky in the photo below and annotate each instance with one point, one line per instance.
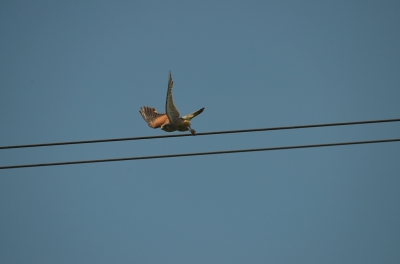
(80, 70)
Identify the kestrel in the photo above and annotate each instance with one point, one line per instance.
(171, 121)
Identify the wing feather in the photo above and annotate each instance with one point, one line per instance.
(170, 108)
(152, 118)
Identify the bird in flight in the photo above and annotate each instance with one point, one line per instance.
(171, 120)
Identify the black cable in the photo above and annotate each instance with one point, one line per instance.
(201, 134)
(200, 153)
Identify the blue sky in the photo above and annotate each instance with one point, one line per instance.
(80, 70)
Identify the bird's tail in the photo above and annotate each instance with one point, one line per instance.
(192, 115)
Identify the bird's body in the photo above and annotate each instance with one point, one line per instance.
(171, 120)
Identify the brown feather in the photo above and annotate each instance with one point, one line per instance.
(152, 118)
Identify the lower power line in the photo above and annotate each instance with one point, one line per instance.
(200, 153)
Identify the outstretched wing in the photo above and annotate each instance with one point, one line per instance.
(152, 118)
(170, 108)
(194, 114)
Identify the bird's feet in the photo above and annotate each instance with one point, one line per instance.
(192, 131)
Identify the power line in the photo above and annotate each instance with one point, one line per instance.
(200, 153)
(201, 134)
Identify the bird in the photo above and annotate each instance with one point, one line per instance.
(170, 120)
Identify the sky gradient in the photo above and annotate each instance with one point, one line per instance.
(80, 70)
